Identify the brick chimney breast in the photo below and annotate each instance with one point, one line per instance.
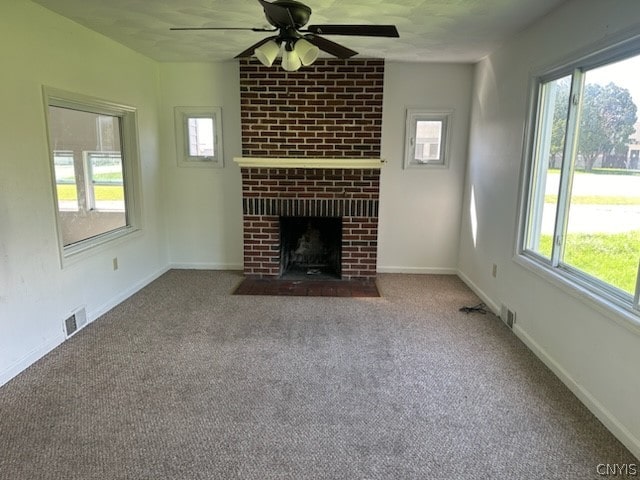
(331, 109)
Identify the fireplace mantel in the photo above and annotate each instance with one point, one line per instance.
(354, 163)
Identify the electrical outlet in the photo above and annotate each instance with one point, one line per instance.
(494, 271)
(115, 263)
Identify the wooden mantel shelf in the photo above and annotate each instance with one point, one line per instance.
(309, 162)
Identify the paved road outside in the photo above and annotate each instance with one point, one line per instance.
(597, 218)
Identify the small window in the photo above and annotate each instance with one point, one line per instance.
(199, 136)
(93, 148)
(427, 136)
(582, 207)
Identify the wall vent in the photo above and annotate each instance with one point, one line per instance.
(75, 322)
(508, 316)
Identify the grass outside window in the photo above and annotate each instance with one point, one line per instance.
(610, 257)
(68, 192)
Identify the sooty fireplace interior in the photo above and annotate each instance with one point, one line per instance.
(310, 247)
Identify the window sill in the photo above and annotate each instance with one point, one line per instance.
(427, 165)
(76, 253)
(200, 164)
(615, 311)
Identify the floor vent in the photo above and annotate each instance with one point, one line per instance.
(75, 322)
(508, 316)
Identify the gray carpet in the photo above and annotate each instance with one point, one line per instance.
(186, 381)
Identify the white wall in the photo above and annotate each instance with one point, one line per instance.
(593, 353)
(420, 208)
(40, 48)
(203, 205)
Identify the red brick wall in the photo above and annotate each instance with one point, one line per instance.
(332, 109)
(262, 246)
(352, 194)
(319, 183)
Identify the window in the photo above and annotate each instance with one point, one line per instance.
(582, 204)
(199, 136)
(427, 134)
(93, 151)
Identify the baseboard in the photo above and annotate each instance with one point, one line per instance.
(51, 343)
(122, 296)
(30, 358)
(418, 270)
(602, 413)
(206, 266)
(494, 307)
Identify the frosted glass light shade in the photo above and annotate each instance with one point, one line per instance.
(307, 52)
(290, 60)
(267, 53)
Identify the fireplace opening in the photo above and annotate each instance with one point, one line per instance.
(310, 247)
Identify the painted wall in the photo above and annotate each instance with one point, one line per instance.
(203, 206)
(40, 48)
(594, 353)
(420, 208)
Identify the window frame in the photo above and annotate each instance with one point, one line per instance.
(604, 297)
(181, 118)
(413, 116)
(130, 167)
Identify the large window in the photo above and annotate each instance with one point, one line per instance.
(582, 210)
(94, 160)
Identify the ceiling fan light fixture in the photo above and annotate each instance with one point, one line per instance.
(299, 47)
(290, 60)
(306, 51)
(267, 53)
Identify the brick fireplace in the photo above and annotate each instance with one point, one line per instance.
(311, 148)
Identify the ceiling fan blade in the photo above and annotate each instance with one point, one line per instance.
(359, 30)
(277, 14)
(328, 46)
(249, 51)
(224, 28)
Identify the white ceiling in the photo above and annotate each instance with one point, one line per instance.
(430, 30)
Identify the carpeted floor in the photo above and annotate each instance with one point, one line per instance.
(186, 381)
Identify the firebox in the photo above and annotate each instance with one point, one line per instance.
(310, 247)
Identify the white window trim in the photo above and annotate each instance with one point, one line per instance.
(181, 115)
(609, 308)
(573, 282)
(131, 168)
(414, 115)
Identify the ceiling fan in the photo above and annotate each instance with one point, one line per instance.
(297, 46)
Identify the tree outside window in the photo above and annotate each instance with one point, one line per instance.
(583, 210)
